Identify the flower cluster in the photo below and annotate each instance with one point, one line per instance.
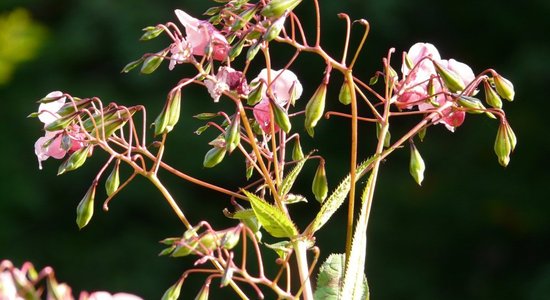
(422, 87)
(56, 143)
(25, 283)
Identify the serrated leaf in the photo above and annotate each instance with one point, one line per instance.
(335, 200)
(290, 178)
(271, 217)
(331, 277)
(354, 279)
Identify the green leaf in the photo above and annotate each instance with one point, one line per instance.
(271, 217)
(330, 278)
(355, 287)
(335, 200)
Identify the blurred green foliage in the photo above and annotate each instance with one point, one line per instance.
(20, 39)
(473, 230)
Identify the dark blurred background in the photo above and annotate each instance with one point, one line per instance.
(474, 230)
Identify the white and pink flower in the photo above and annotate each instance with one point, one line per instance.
(227, 79)
(57, 143)
(419, 72)
(283, 86)
(201, 34)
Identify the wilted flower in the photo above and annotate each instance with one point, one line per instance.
(202, 35)
(421, 82)
(283, 87)
(227, 79)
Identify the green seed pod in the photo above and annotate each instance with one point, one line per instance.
(422, 133)
(233, 134)
(161, 122)
(416, 165)
(345, 94)
(236, 49)
(319, 186)
(85, 209)
(75, 161)
(505, 143)
(274, 30)
(132, 65)
(203, 293)
(491, 96)
(297, 153)
(151, 63)
(213, 157)
(473, 105)
(243, 18)
(256, 94)
(253, 50)
(281, 116)
(387, 139)
(173, 292)
(174, 108)
(504, 87)
(451, 80)
(276, 8)
(151, 32)
(61, 123)
(113, 181)
(315, 108)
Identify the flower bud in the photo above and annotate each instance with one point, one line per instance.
(422, 133)
(205, 116)
(504, 87)
(256, 94)
(85, 209)
(276, 8)
(297, 153)
(416, 165)
(491, 96)
(151, 63)
(315, 108)
(233, 134)
(213, 157)
(253, 50)
(75, 161)
(113, 181)
(173, 292)
(280, 115)
(345, 94)
(505, 143)
(451, 80)
(151, 32)
(320, 184)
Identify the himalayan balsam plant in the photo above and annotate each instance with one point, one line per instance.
(271, 128)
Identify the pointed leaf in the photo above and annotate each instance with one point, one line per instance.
(335, 200)
(354, 279)
(271, 217)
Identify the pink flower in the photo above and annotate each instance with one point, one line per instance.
(283, 84)
(101, 295)
(419, 72)
(201, 34)
(58, 143)
(8, 290)
(180, 52)
(227, 79)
